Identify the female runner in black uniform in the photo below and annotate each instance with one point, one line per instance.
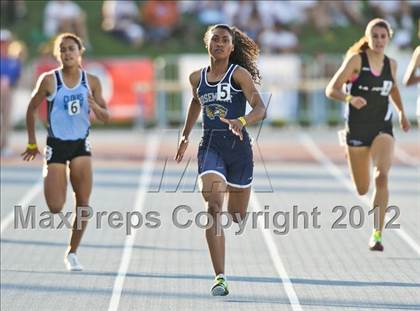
(369, 77)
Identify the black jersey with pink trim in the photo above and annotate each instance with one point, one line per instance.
(375, 89)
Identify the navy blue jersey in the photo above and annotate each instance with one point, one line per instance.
(375, 89)
(222, 99)
(222, 152)
(68, 109)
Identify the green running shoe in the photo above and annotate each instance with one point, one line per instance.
(375, 242)
(220, 287)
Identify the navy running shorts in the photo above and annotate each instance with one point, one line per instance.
(229, 157)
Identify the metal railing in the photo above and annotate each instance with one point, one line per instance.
(313, 107)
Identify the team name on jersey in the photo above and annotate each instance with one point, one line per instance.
(73, 97)
(208, 97)
(384, 90)
(222, 94)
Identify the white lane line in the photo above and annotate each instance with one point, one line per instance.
(309, 144)
(26, 200)
(405, 158)
(145, 178)
(275, 256)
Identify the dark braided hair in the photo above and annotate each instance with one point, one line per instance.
(245, 52)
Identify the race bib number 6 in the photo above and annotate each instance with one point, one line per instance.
(73, 107)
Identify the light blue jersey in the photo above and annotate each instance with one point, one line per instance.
(68, 109)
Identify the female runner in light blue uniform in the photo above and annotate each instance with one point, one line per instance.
(71, 94)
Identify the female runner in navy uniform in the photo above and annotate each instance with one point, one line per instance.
(71, 94)
(370, 79)
(225, 158)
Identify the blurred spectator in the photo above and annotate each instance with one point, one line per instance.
(161, 19)
(12, 11)
(189, 28)
(245, 15)
(11, 52)
(327, 14)
(253, 27)
(211, 12)
(398, 13)
(344, 13)
(286, 12)
(278, 39)
(187, 6)
(415, 10)
(122, 19)
(65, 16)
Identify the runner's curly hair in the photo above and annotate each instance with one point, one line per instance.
(246, 50)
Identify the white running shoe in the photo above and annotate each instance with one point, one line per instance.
(72, 263)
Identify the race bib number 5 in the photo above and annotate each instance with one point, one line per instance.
(73, 107)
(223, 92)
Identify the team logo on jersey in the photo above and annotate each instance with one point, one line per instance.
(216, 110)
